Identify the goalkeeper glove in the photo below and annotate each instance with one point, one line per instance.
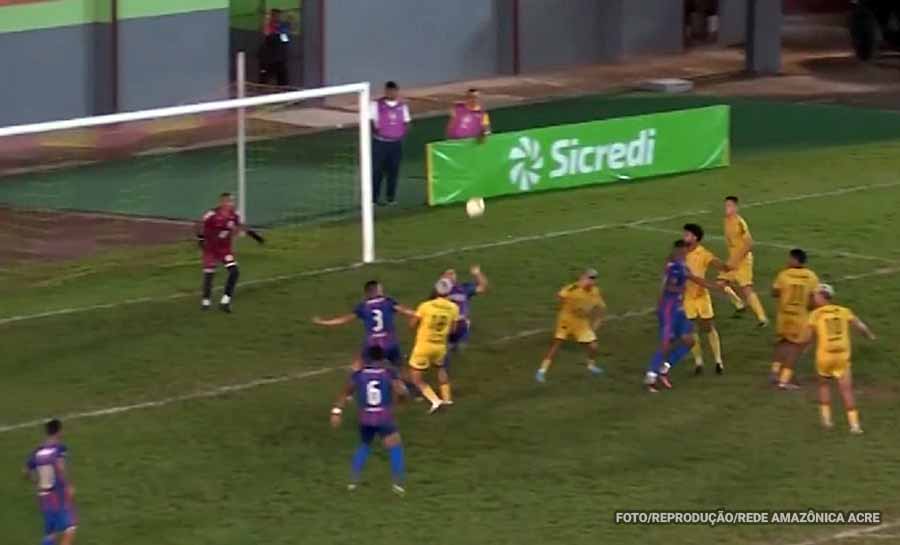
(255, 236)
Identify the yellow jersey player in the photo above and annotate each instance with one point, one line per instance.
(740, 261)
(697, 301)
(433, 322)
(580, 315)
(830, 325)
(793, 290)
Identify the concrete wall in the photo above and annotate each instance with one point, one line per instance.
(173, 59)
(48, 74)
(411, 41)
(652, 26)
(571, 32)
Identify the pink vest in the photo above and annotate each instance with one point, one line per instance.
(391, 123)
(466, 123)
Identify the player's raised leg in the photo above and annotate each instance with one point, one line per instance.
(541, 375)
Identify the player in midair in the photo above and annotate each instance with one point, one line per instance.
(697, 301)
(433, 323)
(377, 313)
(793, 290)
(676, 332)
(462, 294)
(581, 308)
(740, 262)
(829, 326)
(46, 468)
(215, 235)
(374, 387)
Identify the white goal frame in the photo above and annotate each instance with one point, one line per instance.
(362, 90)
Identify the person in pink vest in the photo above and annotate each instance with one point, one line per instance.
(390, 123)
(468, 119)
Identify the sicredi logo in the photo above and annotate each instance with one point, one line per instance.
(526, 163)
(569, 157)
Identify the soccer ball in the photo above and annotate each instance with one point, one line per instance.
(475, 207)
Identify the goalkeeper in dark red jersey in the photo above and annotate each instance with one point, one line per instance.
(215, 234)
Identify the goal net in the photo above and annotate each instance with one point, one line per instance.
(72, 188)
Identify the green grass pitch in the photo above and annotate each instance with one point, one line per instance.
(512, 462)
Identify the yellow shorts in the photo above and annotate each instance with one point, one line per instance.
(578, 331)
(832, 367)
(742, 275)
(791, 328)
(699, 307)
(424, 356)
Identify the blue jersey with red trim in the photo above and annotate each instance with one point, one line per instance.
(377, 315)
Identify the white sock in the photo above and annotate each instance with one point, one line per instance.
(205, 302)
(226, 299)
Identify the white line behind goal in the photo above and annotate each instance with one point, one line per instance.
(361, 90)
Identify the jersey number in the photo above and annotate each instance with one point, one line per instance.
(438, 323)
(46, 475)
(834, 328)
(378, 318)
(373, 393)
(797, 295)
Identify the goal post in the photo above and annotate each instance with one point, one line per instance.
(352, 114)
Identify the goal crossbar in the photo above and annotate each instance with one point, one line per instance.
(362, 90)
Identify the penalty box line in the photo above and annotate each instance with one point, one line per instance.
(450, 251)
(219, 391)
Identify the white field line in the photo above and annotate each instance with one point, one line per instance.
(218, 391)
(449, 251)
(814, 251)
(855, 533)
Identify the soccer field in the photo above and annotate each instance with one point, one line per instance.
(213, 429)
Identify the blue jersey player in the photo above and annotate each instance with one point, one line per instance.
(676, 332)
(46, 468)
(374, 387)
(376, 312)
(462, 294)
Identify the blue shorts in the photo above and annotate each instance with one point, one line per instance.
(460, 333)
(57, 520)
(368, 433)
(391, 353)
(673, 322)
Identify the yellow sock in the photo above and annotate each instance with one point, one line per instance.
(715, 343)
(853, 418)
(756, 306)
(697, 350)
(430, 395)
(786, 375)
(735, 299)
(825, 413)
(776, 367)
(445, 392)
(546, 365)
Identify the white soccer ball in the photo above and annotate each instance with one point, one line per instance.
(475, 207)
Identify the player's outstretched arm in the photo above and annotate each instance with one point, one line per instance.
(863, 328)
(336, 321)
(481, 280)
(404, 310)
(255, 236)
(414, 321)
(719, 265)
(337, 410)
(702, 282)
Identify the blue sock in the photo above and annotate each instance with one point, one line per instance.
(398, 464)
(678, 353)
(359, 461)
(48, 540)
(656, 362)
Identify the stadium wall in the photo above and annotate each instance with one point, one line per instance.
(73, 58)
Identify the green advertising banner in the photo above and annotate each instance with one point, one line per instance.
(598, 152)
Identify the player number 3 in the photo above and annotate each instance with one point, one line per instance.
(373, 393)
